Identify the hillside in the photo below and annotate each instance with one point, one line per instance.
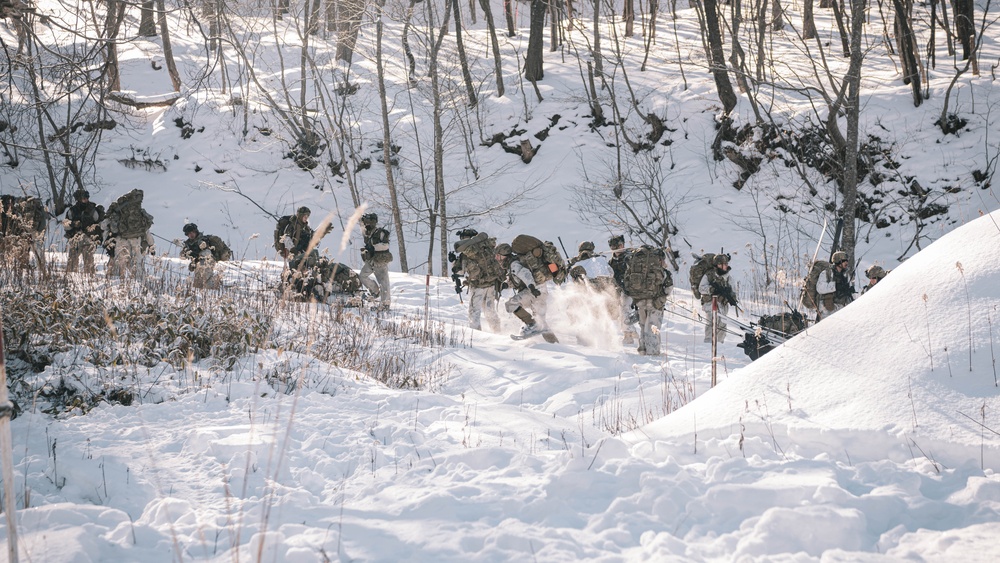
(160, 423)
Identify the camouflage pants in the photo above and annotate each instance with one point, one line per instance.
(380, 285)
(129, 258)
(525, 300)
(720, 327)
(650, 320)
(483, 301)
(80, 247)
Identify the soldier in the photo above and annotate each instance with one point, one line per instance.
(474, 258)
(204, 251)
(648, 282)
(526, 294)
(592, 268)
(83, 232)
(296, 238)
(874, 274)
(127, 225)
(618, 263)
(376, 258)
(714, 286)
(835, 286)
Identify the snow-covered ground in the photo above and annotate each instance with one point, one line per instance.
(870, 437)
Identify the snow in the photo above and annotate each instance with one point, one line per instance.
(872, 436)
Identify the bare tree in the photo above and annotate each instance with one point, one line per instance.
(717, 63)
(387, 144)
(533, 70)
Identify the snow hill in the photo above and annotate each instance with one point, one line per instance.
(907, 368)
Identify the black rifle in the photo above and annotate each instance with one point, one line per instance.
(458, 285)
(837, 231)
(725, 292)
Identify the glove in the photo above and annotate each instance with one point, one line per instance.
(365, 255)
(152, 250)
(534, 290)
(203, 245)
(452, 257)
(191, 267)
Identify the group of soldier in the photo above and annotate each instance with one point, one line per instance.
(123, 230)
(314, 277)
(633, 283)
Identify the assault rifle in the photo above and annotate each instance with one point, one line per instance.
(458, 285)
(725, 292)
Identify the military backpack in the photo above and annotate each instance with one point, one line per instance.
(127, 218)
(645, 277)
(702, 265)
(479, 260)
(541, 257)
(279, 232)
(220, 250)
(810, 296)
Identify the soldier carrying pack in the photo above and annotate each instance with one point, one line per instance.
(478, 261)
(702, 265)
(645, 275)
(541, 257)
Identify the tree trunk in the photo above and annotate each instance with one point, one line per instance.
(718, 64)
(628, 14)
(491, 26)
(439, 214)
(349, 24)
(533, 58)
(390, 181)
(808, 23)
(853, 114)
(112, 23)
(965, 29)
(778, 17)
(463, 60)
(147, 21)
(839, 17)
(411, 63)
(508, 12)
(905, 41)
(598, 59)
(168, 51)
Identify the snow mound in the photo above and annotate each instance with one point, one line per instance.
(912, 359)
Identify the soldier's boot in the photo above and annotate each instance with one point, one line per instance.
(530, 328)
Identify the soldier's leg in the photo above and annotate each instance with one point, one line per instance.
(707, 307)
(490, 308)
(73, 250)
(720, 327)
(87, 253)
(652, 319)
(366, 279)
(476, 302)
(384, 289)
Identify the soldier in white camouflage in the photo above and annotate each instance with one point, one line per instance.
(475, 259)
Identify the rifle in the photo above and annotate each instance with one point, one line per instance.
(458, 286)
(837, 231)
(726, 293)
(566, 254)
